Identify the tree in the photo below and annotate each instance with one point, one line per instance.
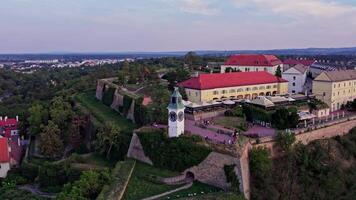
(107, 138)
(192, 59)
(121, 78)
(283, 119)
(60, 112)
(285, 139)
(87, 187)
(260, 163)
(278, 72)
(37, 117)
(51, 144)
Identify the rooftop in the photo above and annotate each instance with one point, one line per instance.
(341, 75)
(212, 81)
(253, 60)
(4, 151)
(296, 62)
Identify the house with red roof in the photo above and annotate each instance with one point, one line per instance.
(235, 85)
(288, 63)
(252, 63)
(4, 157)
(11, 148)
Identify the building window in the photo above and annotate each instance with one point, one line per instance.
(196, 94)
(293, 84)
(274, 86)
(324, 94)
(293, 91)
(262, 87)
(255, 88)
(265, 69)
(232, 91)
(256, 69)
(240, 90)
(215, 92)
(247, 89)
(293, 77)
(268, 87)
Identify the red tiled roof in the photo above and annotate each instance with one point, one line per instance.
(295, 62)
(211, 81)
(253, 60)
(11, 121)
(4, 151)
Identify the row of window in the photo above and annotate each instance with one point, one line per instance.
(216, 92)
(339, 84)
(344, 92)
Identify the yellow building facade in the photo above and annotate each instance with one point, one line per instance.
(335, 88)
(215, 87)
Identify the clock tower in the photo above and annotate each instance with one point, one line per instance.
(175, 115)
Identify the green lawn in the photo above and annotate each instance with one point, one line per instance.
(198, 189)
(141, 186)
(230, 122)
(102, 112)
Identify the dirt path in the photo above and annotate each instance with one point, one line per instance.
(36, 191)
(169, 192)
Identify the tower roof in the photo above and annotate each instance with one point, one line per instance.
(176, 100)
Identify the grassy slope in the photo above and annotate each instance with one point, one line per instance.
(140, 186)
(101, 112)
(121, 174)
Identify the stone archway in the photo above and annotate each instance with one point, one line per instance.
(262, 94)
(268, 94)
(247, 96)
(274, 92)
(189, 175)
(240, 97)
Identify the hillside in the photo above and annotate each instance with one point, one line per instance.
(324, 169)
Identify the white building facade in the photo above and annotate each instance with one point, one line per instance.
(296, 77)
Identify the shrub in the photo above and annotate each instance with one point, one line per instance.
(29, 171)
(232, 178)
(253, 113)
(175, 154)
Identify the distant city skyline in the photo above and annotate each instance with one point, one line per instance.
(39, 26)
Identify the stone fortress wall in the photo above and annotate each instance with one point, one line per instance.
(118, 98)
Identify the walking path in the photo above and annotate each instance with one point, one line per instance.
(35, 190)
(169, 192)
(206, 133)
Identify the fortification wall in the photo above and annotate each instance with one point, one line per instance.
(136, 150)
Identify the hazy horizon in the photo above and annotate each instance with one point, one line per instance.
(115, 26)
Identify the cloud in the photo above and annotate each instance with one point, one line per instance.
(202, 7)
(300, 8)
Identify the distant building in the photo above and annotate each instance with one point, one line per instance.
(288, 63)
(296, 76)
(252, 63)
(4, 157)
(335, 88)
(237, 85)
(10, 145)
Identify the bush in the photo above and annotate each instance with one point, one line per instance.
(254, 113)
(232, 178)
(176, 154)
(29, 171)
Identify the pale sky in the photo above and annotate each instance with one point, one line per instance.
(35, 26)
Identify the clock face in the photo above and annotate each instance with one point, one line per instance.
(172, 116)
(180, 116)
